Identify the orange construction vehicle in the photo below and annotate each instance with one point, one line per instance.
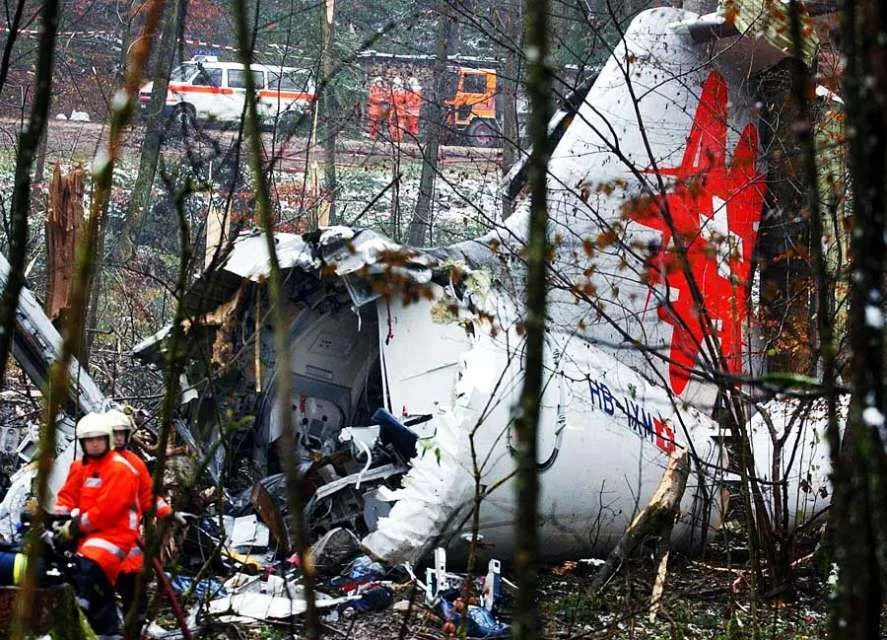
(470, 99)
(472, 109)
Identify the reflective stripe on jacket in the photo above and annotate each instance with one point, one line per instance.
(134, 559)
(104, 490)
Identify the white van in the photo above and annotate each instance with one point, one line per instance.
(205, 89)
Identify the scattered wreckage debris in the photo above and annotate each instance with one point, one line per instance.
(434, 337)
(266, 586)
(408, 360)
(357, 586)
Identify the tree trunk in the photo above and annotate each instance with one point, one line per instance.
(787, 286)
(508, 97)
(860, 469)
(328, 109)
(102, 173)
(277, 301)
(526, 623)
(62, 219)
(12, 23)
(447, 29)
(129, 16)
(154, 130)
(39, 170)
(96, 284)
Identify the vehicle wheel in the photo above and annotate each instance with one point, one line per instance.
(482, 133)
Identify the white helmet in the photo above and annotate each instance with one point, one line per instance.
(414, 83)
(397, 82)
(93, 425)
(119, 420)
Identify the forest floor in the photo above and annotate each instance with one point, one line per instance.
(74, 141)
(703, 600)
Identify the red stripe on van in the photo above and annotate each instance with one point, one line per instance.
(188, 88)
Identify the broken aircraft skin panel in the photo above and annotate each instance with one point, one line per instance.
(436, 332)
(35, 345)
(452, 352)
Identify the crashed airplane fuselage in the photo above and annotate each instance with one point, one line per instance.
(662, 157)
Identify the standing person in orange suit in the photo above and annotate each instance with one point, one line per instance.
(397, 115)
(123, 426)
(99, 495)
(377, 106)
(413, 107)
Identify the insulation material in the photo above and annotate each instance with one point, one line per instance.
(433, 492)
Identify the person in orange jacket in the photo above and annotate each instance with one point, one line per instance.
(377, 107)
(99, 495)
(397, 116)
(413, 107)
(122, 426)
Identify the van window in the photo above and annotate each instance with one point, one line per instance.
(295, 80)
(237, 79)
(208, 78)
(475, 83)
(183, 73)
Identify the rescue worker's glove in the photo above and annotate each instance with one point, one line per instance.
(183, 517)
(69, 531)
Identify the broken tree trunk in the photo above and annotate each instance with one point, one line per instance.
(661, 572)
(62, 219)
(657, 518)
